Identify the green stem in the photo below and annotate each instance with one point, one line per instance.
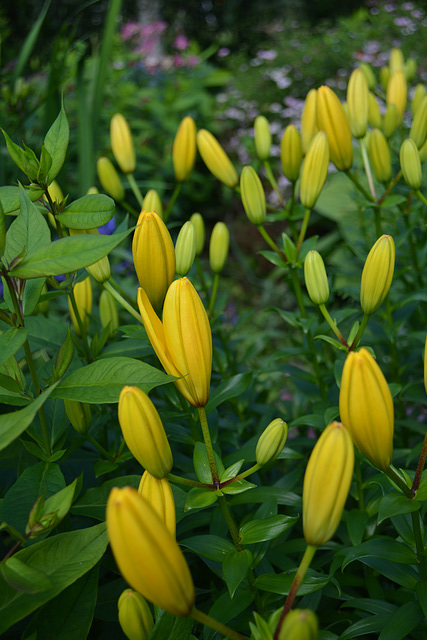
(270, 241)
(357, 184)
(82, 328)
(122, 292)
(421, 197)
(333, 325)
(303, 229)
(187, 481)
(122, 301)
(230, 522)
(360, 331)
(390, 187)
(272, 181)
(128, 208)
(204, 618)
(359, 482)
(208, 443)
(394, 477)
(137, 193)
(377, 219)
(367, 168)
(419, 544)
(413, 247)
(100, 448)
(240, 477)
(213, 295)
(298, 291)
(175, 194)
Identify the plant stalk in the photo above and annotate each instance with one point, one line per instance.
(204, 618)
(208, 444)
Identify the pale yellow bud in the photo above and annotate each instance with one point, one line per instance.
(358, 103)
(262, 137)
(309, 126)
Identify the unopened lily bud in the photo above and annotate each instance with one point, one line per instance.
(291, 153)
(152, 202)
(185, 249)
(369, 74)
(184, 149)
(358, 103)
(199, 225)
(271, 441)
(153, 256)
(109, 179)
(390, 121)
(83, 298)
(379, 154)
(309, 126)
(423, 152)
(418, 131)
(366, 408)
(410, 164)
(262, 137)
(108, 312)
(135, 617)
(55, 192)
(384, 77)
(410, 69)
(332, 119)
(396, 61)
(374, 114)
(377, 274)
(218, 247)
(147, 555)
(253, 196)
(299, 624)
(314, 170)
(397, 93)
(159, 494)
(215, 158)
(78, 413)
(417, 98)
(99, 270)
(315, 278)
(92, 191)
(122, 144)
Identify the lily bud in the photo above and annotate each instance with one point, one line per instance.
(374, 114)
(55, 192)
(309, 126)
(366, 408)
(262, 137)
(147, 555)
(108, 312)
(384, 77)
(314, 170)
(291, 153)
(99, 270)
(299, 624)
(218, 247)
(271, 441)
(159, 494)
(410, 69)
(109, 179)
(417, 98)
(184, 149)
(315, 277)
(185, 249)
(358, 103)
(135, 616)
(152, 202)
(253, 196)
(215, 158)
(199, 225)
(332, 118)
(326, 485)
(379, 154)
(410, 163)
(83, 297)
(423, 152)
(396, 61)
(390, 121)
(377, 274)
(122, 144)
(143, 432)
(183, 341)
(397, 93)
(153, 256)
(369, 74)
(418, 131)
(78, 413)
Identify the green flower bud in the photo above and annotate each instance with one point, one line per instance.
(262, 137)
(390, 121)
(396, 61)
(271, 441)
(374, 114)
(199, 225)
(369, 74)
(410, 69)
(423, 152)
(314, 170)
(108, 312)
(152, 202)
(377, 274)
(417, 98)
(418, 131)
(109, 179)
(299, 624)
(379, 154)
(410, 163)
(397, 93)
(384, 77)
(358, 103)
(135, 616)
(252, 194)
(218, 247)
(309, 126)
(185, 249)
(291, 153)
(315, 277)
(78, 413)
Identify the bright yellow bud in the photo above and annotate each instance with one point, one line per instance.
(159, 494)
(410, 163)
(374, 114)
(185, 248)
(358, 103)
(314, 170)
(108, 312)
(153, 256)
(78, 413)
(253, 196)
(262, 137)
(326, 484)
(143, 432)
(55, 192)
(184, 149)
(417, 98)
(309, 126)
(396, 61)
(152, 202)
(332, 118)
(109, 179)
(147, 555)
(369, 74)
(122, 144)
(397, 93)
(379, 154)
(183, 341)
(99, 270)
(390, 121)
(315, 277)
(271, 441)
(83, 298)
(199, 225)
(291, 153)
(215, 158)
(135, 616)
(218, 247)
(377, 274)
(299, 624)
(418, 131)
(384, 77)
(366, 408)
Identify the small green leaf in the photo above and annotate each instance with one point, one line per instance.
(231, 471)
(208, 546)
(332, 341)
(381, 548)
(281, 583)
(267, 529)
(9, 197)
(235, 566)
(199, 499)
(24, 578)
(56, 143)
(25, 160)
(45, 165)
(230, 388)
(289, 248)
(201, 463)
(356, 523)
(394, 504)
(240, 486)
(88, 212)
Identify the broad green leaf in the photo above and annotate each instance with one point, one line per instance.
(45, 332)
(88, 212)
(370, 605)
(102, 381)
(56, 143)
(281, 583)
(23, 578)
(93, 502)
(230, 388)
(226, 609)
(201, 463)
(31, 295)
(235, 566)
(385, 548)
(356, 523)
(261, 494)
(208, 546)
(366, 626)
(402, 622)
(199, 499)
(405, 575)
(9, 197)
(29, 232)
(394, 504)
(240, 486)
(267, 529)
(11, 342)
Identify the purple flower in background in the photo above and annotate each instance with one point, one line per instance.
(108, 228)
(61, 278)
(223, 52)
(181, 42)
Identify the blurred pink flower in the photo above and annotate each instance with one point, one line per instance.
(181, 42)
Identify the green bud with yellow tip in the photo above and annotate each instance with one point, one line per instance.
(418, 131)
(184, 149)
(152, 202)
(109, 179)
(185, 249)
(299, 624)
(377, 274)
(218, 247)
(291, 153)
(374, 114)
(253, 196)
(215, 158)
(199, 225)
(314, 170)
(108, 312)
(390, 121)
(332, 119)
(417, 98)
(358, 103)
(83, 298)
(397, 93)
(159, 494)
(379, 155)
(315, 278)
(79, 414)
(262, 137)
(369, 74)
(135, 617)
(122, 143)
(410, 163)
(271, 441)
(309, 126)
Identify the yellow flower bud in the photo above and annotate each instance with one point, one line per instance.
(109, 179)
(184, 149)
(83, 298)
(143, 432)
(99, 270)
(122, 144)
(159, 494)
(358, 103)
(183, 341)
(153, 256)
(314, 170)
(271, 441)
(369, 74)
(78, 413)
(218, 247)
(291, 153)
(384, 77)
(299, 624)
(315, 277)
(92, 191)
(390, 121)
(262, 137)
(147, 555)
(410, 163)
(366, 408)
(55, 192)
(108, 312)
(418, 131)
(135, 616)
(253, 196)
(152, 202)
(332, 118)
(379, 154)
(185, 249)
(417, 98)
(397, 93)
(410, 69)
(396, 61)
(326, 485)
(309, 126)
(199, 225)
(374, 114)
(377, 274)
(215, 158)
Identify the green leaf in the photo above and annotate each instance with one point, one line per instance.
(29, 232)
(29, 43)
(45, 165)
(364, 627)
(332, 341)
(231, 471)
(235, 566)
(31, 295)
(93, 502)
(356, 523)
(226, 609)
(59, 504)
(267, 529)
(199, 499)
(394, 504)
(281, 583)
(102, 381)
(208, 546)
(56, 143)
(404, 575)
(201, 463)
(230, 388)
(240, 486)
(23, 578)
(385, 548)
(261, 494)
(88, 212)
(24, 159)
(402, 622)
(63, 558)
(11, 342)
(289, 248)
(421, 590)
(9, 197)
(168, 627)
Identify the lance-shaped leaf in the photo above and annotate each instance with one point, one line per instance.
(88, 212)
(26, 159)
(10, 342)
(56, 143)
(9, 198)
